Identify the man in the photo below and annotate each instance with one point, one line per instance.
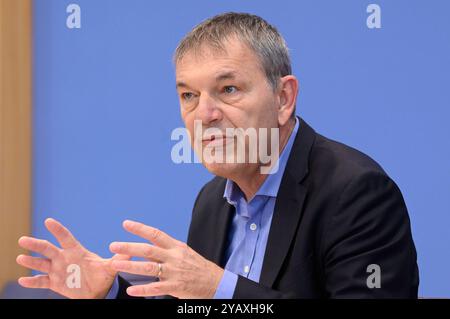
(326, 223)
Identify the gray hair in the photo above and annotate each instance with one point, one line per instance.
(255, 32)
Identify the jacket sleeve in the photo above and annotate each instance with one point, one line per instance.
(368, 250)
(248, 289)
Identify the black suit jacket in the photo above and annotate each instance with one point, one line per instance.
(336, 213)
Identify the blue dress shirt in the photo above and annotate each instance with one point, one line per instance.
(250, 226)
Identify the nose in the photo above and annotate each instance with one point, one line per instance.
(207, 110)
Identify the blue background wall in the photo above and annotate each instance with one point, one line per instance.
(105, 106)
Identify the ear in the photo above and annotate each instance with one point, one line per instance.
(287, 92)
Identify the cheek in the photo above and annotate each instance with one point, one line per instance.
(189, 123)
(190, 129)
(187, 117)
(184, 114)
(263, 113)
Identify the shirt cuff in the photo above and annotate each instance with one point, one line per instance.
(227, 285)
(112, 294)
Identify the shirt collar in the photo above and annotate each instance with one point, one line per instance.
(272, 183)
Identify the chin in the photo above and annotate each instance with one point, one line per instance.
(225, 170)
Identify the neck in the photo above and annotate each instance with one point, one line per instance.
(251, 180)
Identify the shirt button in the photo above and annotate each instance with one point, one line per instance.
(253, 226)
(246, 269)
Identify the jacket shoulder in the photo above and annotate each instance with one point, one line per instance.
(340, 163)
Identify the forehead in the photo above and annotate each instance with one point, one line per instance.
(235, 58)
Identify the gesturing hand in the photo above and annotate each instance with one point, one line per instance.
(183, 273)
(96, 274)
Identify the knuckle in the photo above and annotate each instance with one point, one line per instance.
(177, 255)
(185, 251)
(155, 233)
(46, 249)
(149, 268)
(148, 252)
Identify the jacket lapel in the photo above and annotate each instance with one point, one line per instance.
(218, 242)
(208, 232)
(288, 206)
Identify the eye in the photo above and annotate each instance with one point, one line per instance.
(187, 96)
(229, 89)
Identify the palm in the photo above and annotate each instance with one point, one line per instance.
(95, 273)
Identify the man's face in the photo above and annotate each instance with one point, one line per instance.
(225, 90)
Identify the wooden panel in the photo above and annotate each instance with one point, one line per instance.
(15, 132)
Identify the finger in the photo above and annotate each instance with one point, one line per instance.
(39, 281)
(120, 257)
(35, 263)
(154, 235)
(139, 250)
(39, 246)
(138, 267)
(153, 289)
(61, 233)
(109, 261)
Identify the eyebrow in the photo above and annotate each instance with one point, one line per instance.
(227, 75)
(181, 85)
